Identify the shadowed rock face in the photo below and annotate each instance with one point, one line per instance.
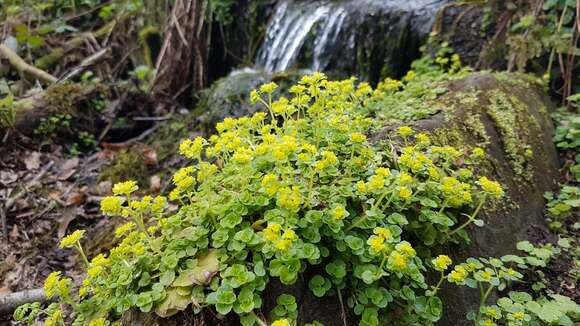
(366, 38)
(507, 114)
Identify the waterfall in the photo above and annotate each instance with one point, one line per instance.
(317, 34)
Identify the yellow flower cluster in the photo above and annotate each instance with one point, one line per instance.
(97, 265)
(378, 241)
(183, 178)
(125, 188)
(491, 188)
(112, 205)
(357, 137)
(413, 160)
(405, 131)
(281, 322)
(458, 275)
(281, 241)
(54, 285)
(328, 159)
(192, 148)
(456, 193)
(289, 198)
(338, 212)
(72, 239)
(441, 262)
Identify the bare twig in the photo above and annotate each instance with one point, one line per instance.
(11, 301)
(16, 61)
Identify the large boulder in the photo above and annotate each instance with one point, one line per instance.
(508, 115)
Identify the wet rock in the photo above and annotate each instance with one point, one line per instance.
(370, 39)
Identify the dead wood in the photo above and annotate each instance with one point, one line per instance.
(183, 56)
(9, 302)
(25, 68)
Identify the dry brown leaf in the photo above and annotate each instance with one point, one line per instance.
(104, 188)
(155, 183)
(68, 168)
(74, 199)
(150, 156)
(67, 216)
(32, 161)
(8, 176)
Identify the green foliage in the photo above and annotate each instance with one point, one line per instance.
(269, 198)
(535, 35)
(7, 112)
(517, 308)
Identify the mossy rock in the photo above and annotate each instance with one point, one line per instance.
(494, 111)
(507, 114)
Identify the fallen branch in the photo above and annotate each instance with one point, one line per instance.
(16, 61)
(9, 302)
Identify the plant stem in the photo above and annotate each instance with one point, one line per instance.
(482, 301)
(258, 320)
(470, 219)
(82, 253)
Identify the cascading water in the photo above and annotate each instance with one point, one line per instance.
(351, 36)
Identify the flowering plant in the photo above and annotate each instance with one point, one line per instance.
(271, 195)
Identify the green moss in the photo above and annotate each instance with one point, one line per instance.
(128, 165)
(509, 114)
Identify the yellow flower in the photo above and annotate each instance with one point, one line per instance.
(409, 76)
(270, 184)
(361, 186)
(405, 178)
(488, 322)
(289, 235)
(519, 315)
(383, 233)
(405, 193)
(376, 182)
(357, 137)
(268, 88)
(243, 156)
(283, 245)
(405, 131)
(183, 179)
(121, 230)
(289, 198)
(478, 152)
(406, 248)
(397, 260)
(383, 172)
(72, 239)
(272, 232)
(281, 322)
(441, 262)
(51, 284)
(125, 188)
(339, 213)
(192, 148)
(458, 275)
(254, 96)
(377, 243)
(422, 139)
(112, 205)
(98, 322)
(492, 188)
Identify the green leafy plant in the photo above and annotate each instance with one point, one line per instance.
(268, 198)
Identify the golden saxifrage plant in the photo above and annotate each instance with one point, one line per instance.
(278, 192)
